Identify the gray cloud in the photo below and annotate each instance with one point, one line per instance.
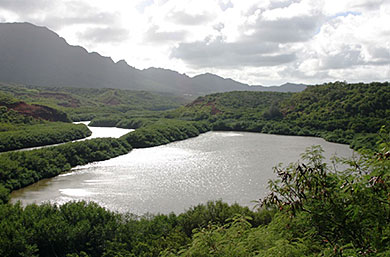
(25, 6)
(225, 55)
(219, 27)
(80, 13)
(296, 29)
(370, 4)
(292, 71)
(191, 20)
(346, 58)
(380, 55)
(349, 57)
(261, 48)
(88, 18)
(153, 35)
(75, 12)
(103, 35)
(282, 4)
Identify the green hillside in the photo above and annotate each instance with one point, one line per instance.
(358, 107)
(338, 112)
(87, 103)
(23, 125)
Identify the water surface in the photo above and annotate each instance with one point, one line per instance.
(97, 132)
(232, 166)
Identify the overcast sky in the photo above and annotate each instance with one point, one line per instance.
(263, 42)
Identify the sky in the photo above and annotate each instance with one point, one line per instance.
(259, 42)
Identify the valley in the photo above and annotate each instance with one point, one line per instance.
(100, 158)
(165, 194)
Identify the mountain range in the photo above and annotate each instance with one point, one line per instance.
(34, 55)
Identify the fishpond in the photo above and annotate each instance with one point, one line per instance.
(232, 166)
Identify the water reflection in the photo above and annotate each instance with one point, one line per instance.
(232, 166)
(98, 132)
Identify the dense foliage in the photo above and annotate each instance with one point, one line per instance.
(19, 130)
(41, 134)
(81, 229)
(129, 123)
(22, 168)
(87, 103)
(344, 113)
(163, 132)
(10, 119)
(338, 112)
(246, 106)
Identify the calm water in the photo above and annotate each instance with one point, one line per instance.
(232, 166)
(96, 133)
(104, 131)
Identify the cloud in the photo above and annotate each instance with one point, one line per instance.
(25, 6)
(225, 4)
(92, 19)
(351, 56)
(368, 4)
(184, 18)
(154, 35)
(104, 35)
(79, 13)
(380, 55)
(144, 4)
(296, 29)
(263, 41)
(226, 55)
(58, 14)
(254, 41)
(345, 58)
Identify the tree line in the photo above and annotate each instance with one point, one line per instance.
(338, 112)
(42, 134)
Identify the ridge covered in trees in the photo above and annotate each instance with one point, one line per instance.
(338, 112)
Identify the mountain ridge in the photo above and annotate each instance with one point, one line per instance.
(35, 55)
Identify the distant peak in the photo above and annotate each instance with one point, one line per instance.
(207, 74)
(292, 84)
(122, 62)
(161, 70)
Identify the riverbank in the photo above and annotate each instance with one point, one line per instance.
(38, 135)
(20, 169)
